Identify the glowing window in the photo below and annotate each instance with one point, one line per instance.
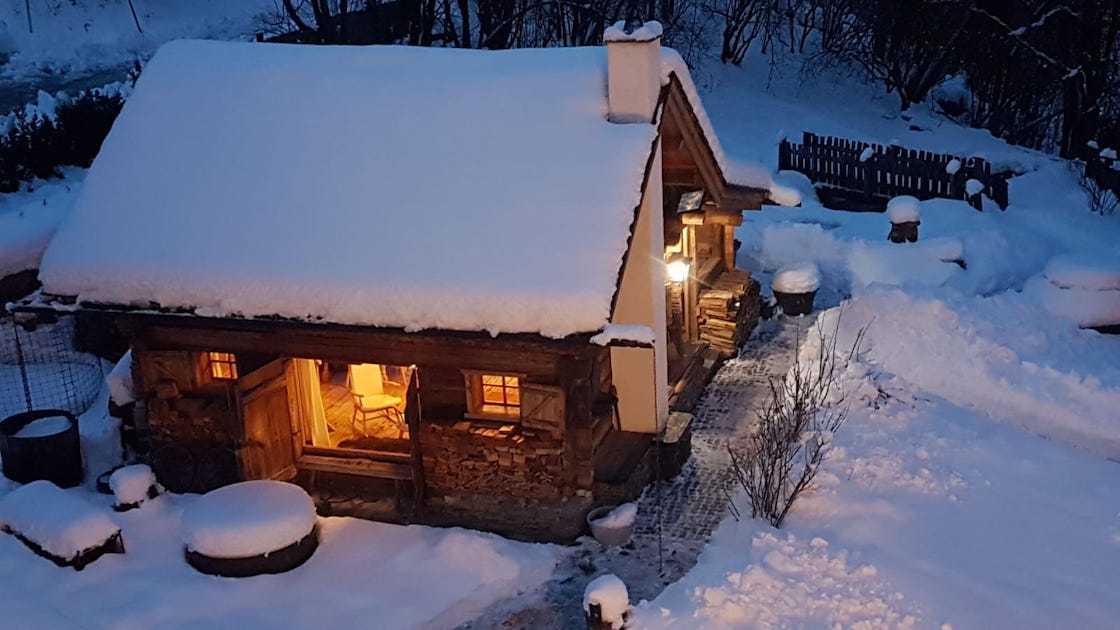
(223, 366)
(494, 395)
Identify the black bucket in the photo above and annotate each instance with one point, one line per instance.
(794, 304)
(56, 457)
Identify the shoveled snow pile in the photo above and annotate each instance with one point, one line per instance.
(798, 278)
(621, 516)
(611, 595)
(132, 484)
(248, 519)
(494, 266)
(42, 427)
(59, 521)
(904, 209)
(634, 333)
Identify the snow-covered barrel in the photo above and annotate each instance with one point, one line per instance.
(250, 528)
(42, 444)
(795, 288)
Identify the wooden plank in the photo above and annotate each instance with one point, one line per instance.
(357, 466)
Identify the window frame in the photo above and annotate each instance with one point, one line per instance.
(228, 359)
(475, 396)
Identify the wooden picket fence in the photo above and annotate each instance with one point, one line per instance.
(890, 171)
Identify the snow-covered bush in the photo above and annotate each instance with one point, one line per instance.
(795, 428)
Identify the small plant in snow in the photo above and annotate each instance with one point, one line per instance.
(796, 425)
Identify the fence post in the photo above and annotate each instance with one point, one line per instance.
(783, 155)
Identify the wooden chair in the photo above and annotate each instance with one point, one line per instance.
(371, 402)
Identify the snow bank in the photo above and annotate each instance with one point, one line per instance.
(1096, 272)
(635, 333)
(927, 263)
(610, 594)
(119, 380)
(247, 519)
(60, 522)
(131, 484)
(1086, 307)
(492, 263)
(51, 425)
(904, 209)
(798, 278)
(621, 516)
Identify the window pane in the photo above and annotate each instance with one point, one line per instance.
(488, 379)
(493, 394)
(513, 396)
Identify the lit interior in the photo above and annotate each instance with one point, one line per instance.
(223, 366)
(501, 395)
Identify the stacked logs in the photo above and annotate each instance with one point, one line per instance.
(729, 311)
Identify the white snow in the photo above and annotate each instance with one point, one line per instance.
(635, 333)
(248, 519)
(59, 521)
(621, 516)
(867, 154)
(610, 593)
(29, 218)
(42, 427)
(953, 166)
(644, 33)
(131, 484)
(1098, 271)
(797, 278)
(1108, 153)
(904, 209)
(1086, 307)
(119, 380)
(527, 252)
(973, 187)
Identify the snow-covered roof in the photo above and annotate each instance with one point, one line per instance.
(388, 186)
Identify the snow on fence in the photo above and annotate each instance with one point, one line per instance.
(39, 369)
(878, 171)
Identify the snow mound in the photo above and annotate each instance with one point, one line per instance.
(51, 425)
(131, 484)
(247, 519)
(797, 278)
(1086, 307)
(621, 516)
(926, 263)
(904, 209)
(610, 594)
(121, 389)
(56, 520)
(1080, 271)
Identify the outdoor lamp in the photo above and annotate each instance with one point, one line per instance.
(677, 268)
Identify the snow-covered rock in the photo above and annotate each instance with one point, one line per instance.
(797, 278)
(131, 485)
(60, 522)
(904, 209)
(248, 519)
(610, 593)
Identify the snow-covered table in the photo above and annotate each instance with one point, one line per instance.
(59, 525)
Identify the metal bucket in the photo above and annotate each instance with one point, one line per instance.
(56, 457)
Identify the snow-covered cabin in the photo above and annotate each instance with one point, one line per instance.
(368, 267)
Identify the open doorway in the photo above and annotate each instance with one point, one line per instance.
(356, 406)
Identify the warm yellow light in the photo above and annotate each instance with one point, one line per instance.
(677, 270)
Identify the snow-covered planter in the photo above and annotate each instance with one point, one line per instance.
(132, 485)
(606, 603)
(795, 287)
(612, 525)
(905, 217)
(250, 528)
(58, 525)
(42, 444)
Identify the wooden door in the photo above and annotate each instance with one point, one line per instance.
(267, 446)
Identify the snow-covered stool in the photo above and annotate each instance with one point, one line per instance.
(606, 603)
(795, 287)
(250, 528)
(905, 216)
(58, 525)
(132, 485)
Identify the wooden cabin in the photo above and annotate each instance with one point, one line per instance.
(427, 285)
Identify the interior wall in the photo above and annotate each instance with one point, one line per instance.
(641, 374)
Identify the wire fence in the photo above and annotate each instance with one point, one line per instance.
(39, 368)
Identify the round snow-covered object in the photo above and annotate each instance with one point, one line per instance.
(798, 278)
(1080, 271)
(904, 209)
(610, 594)
(248, 519)
(130, 484)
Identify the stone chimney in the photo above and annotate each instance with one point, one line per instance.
(633, 71)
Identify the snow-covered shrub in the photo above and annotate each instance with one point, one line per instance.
(1100, 186)
(795, 428)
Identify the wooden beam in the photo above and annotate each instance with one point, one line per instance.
(723, 217)
(744, 198)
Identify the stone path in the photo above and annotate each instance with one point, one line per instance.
(688, 508)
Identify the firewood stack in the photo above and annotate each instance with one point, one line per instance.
(729, 311)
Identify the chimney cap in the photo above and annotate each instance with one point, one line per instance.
(631, 30)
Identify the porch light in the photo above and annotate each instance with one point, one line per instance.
(677, 268)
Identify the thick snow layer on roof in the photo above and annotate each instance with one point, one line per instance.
(388, 186)
(635, 333)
